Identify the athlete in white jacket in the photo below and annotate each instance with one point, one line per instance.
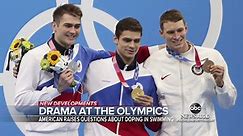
(188, 77)
(34, 85)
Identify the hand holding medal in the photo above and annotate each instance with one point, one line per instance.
(136, 92)
(207, 65)
(140, 98)
(218, 74)
(54, 61)
(215, 70)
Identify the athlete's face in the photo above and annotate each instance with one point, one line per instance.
(174, 34)
(67, 30)
(127, 45)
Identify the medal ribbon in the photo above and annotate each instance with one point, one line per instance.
(197, 59)
(177, 56)
(52, 46)
(119, 73)
(70, 51)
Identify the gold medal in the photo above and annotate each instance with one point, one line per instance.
(136, 92)
(207, 64)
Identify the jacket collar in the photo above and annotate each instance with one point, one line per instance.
(124, 66)
(60, 48)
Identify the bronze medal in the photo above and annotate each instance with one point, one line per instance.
(207, 64)
(136, 92)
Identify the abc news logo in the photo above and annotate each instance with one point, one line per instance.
(195, 108)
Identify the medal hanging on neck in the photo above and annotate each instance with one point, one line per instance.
(136, 91)
(52, 46)
(67, 63)
(197, 68)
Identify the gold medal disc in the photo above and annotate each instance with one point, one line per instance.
(136, 92)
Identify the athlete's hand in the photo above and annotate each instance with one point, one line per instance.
(218, 74)
(65, 80)
(144, 100)
(15, 69)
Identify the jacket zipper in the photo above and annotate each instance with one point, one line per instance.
(182, 94)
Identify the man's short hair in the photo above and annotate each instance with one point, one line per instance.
(66, 9)
(172, 15)
(130, 24)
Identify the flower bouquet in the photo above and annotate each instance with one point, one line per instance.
(17, 50)
(54, 61)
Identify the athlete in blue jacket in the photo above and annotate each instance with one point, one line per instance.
(111, 82)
